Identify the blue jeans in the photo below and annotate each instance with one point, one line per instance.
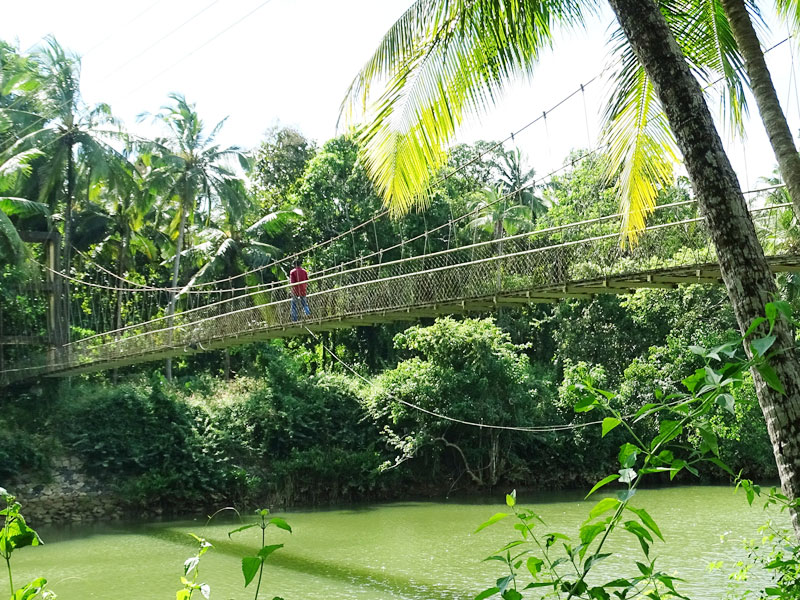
(303, 302)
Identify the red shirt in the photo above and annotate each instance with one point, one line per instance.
(297, 275)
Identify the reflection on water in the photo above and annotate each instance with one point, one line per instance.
(403, 551)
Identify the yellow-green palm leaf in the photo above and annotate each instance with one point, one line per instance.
(441, 62)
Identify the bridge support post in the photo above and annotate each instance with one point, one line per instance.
(53, 286)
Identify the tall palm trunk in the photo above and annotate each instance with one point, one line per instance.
(176, 267)
(744, 268)
(769, 107)
(63, 335)
(121, 266)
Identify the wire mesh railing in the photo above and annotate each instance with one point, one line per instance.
(537, 265)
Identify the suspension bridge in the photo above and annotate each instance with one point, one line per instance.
(578, 260)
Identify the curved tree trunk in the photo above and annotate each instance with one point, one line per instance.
(769, 107)
(476, 478)
(744, 268)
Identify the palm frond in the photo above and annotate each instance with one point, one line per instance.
(444, 60)
(704, 33)
(23, 207)
(641, 149)
(12, 249)
(17, 164)
(274, 221)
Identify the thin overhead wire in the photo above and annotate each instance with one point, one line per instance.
(201, 46)
(152, 45)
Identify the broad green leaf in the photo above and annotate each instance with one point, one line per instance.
(250, 566)
(534, 565)
(668, 431)
(641, 534)
(647, 520)
(722, 466)
(280, 524)
(771, 377)
(242, 528)
(598, 593)
(589, 532)
(492, 520)
(512, 595)
(727, 402)
(602, 507)
(609, 423)
(504, 582)
(627, 455)
(267, 550)
(601, 483)
(754, 325)
(593, 560)
(709, 437)
(585, 404)
(712, 377)
(762, 345)
(511, 499)
(692, 380)
(487, 593)
(728, 349)
(784, 307)
(772, 312)
(644, 410)
(190, 564)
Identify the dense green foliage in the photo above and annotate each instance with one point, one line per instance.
(286, 421)
(398, 410)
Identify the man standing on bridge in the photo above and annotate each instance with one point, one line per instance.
(298, 276)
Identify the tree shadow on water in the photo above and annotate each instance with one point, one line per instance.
(394, 586)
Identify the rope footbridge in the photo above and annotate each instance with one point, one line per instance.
(576, 260)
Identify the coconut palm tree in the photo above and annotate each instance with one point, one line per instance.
(70, 136)
(443, 59)
(739, 13)
(114, 221)
(499, 217)
(199, 176)
(12, 249)
(230, 252)
(518, 182)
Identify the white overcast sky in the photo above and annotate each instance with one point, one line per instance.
(289, 62)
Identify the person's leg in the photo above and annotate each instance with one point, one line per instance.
(293, 310)
(305, 305)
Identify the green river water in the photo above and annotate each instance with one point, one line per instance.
(404, 550)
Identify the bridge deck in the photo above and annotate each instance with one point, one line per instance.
(578, 260)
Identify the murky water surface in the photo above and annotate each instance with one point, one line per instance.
(403, 551)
